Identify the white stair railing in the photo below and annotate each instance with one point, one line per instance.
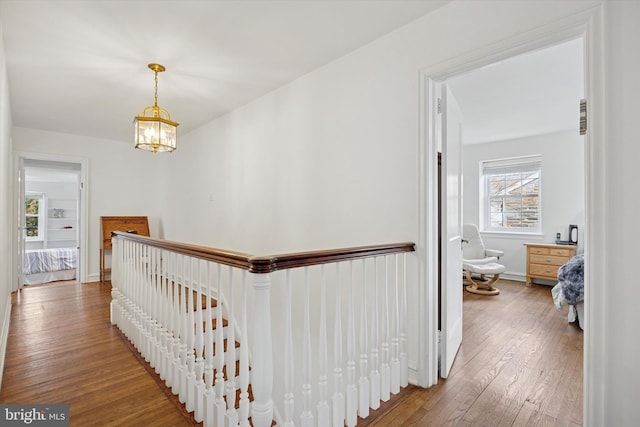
(191, 313)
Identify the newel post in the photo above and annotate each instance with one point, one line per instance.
(262, 366)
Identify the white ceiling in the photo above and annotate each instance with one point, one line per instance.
(80, 66)
(531, 94)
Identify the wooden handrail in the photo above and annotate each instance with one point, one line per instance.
(271, 263)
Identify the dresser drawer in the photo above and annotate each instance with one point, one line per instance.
(539, 251)
(547, 259)
(567, 253)
(540, 270)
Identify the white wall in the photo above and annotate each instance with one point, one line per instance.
(6, 214)
(122, 180)
(562, 191)
(331, 159)
(620, 332)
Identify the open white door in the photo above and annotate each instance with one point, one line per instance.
(21, 226)
(451, 231)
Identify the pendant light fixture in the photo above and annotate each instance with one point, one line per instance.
(153, 129)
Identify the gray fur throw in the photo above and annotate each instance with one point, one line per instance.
(571, 276)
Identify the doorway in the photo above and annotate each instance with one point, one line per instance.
(525, 105)
(52, 218)
(590, 26)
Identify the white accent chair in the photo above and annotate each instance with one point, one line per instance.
(478, 262)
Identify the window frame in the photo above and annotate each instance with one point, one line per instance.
(41, 216)
(489, 168)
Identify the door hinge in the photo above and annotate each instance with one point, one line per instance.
(439, 105)
(439, 351)
(583, 117)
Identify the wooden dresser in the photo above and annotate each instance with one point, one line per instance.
(130, 224)
(543, 260)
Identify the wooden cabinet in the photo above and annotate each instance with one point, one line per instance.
(130, 224)
(543, 260)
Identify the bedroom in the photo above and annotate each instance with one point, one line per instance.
(524, 108)
(51, 217)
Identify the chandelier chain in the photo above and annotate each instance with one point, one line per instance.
(155, 98)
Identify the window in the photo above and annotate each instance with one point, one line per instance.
(34, 216)
(511, 194)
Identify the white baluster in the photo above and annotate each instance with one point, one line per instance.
(157, 313)
(243, 411)
(288, 357)
(139, 307)
(324, 416)
(338, 398)
(191, 375)
(166, 319)
(168, 312)
(363, 383)
(351, 416)
(262, 369)
(232, 413)
(184, 328)
(135, 317)
(306, 418)
(163, 318)
(130, 307)
(153, 312)
(177, 321)
(219, 356)
(139, 289)
(199, 366)
(374, 374)
(395, 346)
(404, 369)
(209, 393)
(116, 280)
(385, 372)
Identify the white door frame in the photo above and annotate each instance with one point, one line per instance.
(83, 237)
(590, 26)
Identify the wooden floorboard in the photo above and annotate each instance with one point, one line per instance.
(62, 349)
(520, 364)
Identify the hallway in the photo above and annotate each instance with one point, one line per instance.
(520, 364)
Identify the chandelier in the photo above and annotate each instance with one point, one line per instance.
(153, 129)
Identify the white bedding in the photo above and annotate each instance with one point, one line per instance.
(575, 311)
(49, 276)
(49, 265)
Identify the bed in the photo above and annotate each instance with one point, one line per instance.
(570, 289)
(49, 265)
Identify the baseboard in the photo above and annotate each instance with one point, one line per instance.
(519, 277)
(4, 335)
(413, 372)
(93, 277)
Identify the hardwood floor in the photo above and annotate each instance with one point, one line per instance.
(63, 349)
(520, 364)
